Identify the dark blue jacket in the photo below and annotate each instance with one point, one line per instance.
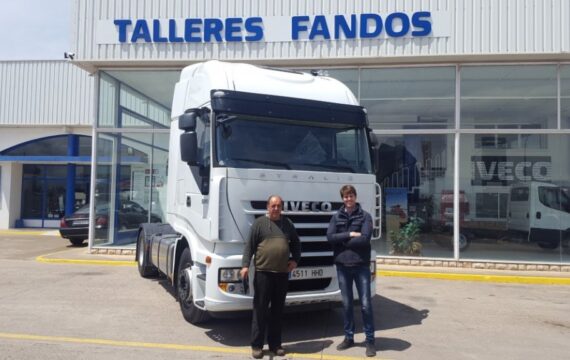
(350, 251)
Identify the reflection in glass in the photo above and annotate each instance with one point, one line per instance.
(508, 96)
(518, 200)
(409, 98)
(129, 190)
(246, 142)
(565, 96)
(416, 175)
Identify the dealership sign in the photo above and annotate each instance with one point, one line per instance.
(504, 170)
(417, 24)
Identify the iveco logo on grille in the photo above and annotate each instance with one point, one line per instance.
(314, 206)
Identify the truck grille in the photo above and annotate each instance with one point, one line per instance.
(315, 249)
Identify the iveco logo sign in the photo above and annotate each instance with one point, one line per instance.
(314, 206)
(503, 170)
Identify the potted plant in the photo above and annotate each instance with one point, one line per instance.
(405, 241)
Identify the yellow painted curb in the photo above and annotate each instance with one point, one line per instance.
(540, 280)
(23, 232)
(136, 344)
(43, 259)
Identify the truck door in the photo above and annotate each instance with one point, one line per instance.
(519, 208)
(545, 217)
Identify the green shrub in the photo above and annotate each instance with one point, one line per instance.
(405, 241)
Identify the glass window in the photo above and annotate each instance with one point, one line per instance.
(108, 87)
(136, 99)
(511, 96)
(51, 146)
(565, 96)
(409, 98)
(516, 200)
(416, 175)
(32, 192)
(129, 190)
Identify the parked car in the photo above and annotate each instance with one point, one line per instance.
(130, 215)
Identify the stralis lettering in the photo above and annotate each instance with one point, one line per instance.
(313, 206)
(503, 170)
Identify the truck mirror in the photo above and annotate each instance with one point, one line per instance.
(187, 121)
(189, 148)
(373, 139)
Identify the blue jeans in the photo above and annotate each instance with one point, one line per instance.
(360, 276)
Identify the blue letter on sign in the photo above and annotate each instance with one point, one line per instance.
(341, 24)
(232, 27)
(364, 25)
(254, 25)
(141, 31)
(296, 27)
(190, 29)
(424, 25)
(213, 27)
(172, 32)
(122, 24)
(320, 28)
(390, 24)
(156, 32)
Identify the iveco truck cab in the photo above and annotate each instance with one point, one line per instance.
(239, 134)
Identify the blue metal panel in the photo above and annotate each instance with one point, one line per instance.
(72, 150)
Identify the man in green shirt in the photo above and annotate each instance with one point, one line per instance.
(275, 244)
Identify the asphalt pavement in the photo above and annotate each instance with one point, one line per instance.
(59, 302)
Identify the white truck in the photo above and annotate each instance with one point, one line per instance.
(240, 133)
(540, 212)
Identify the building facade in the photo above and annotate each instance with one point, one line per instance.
(46, 124)
(469, 100)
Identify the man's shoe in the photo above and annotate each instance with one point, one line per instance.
(256, 353)
(345, 344)
(370, 349)
(279, 351)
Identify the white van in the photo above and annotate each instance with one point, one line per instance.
(540, 212)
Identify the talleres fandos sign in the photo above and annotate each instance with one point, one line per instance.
(417, 24)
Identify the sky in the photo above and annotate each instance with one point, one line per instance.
(35, 29)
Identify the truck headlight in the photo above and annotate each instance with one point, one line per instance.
(229, 275)
(229, 280)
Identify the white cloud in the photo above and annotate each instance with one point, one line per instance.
(34, 29)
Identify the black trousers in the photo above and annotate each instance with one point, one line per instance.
(270, 290)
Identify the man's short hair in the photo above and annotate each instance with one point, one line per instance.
(347, 190)
(274, 196)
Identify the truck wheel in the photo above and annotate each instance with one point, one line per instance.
(191, 313)
(146, 269)
(76, 242)
(548, 245)
(464, 242)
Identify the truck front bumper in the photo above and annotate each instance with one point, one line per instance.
(229, 302)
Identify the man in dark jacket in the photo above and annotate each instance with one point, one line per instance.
(272, 239)
(349, 232)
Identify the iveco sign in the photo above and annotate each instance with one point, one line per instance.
(314, 206)
(274, 28)
(503, 170)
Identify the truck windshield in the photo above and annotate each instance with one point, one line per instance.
(267, 143)
(555, 197)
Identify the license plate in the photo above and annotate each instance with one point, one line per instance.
(81, 222)
(310, 273)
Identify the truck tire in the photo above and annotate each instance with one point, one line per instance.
(548, 245)
(76, 241)
(146, 269)
(464, 242)
(191, 313)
